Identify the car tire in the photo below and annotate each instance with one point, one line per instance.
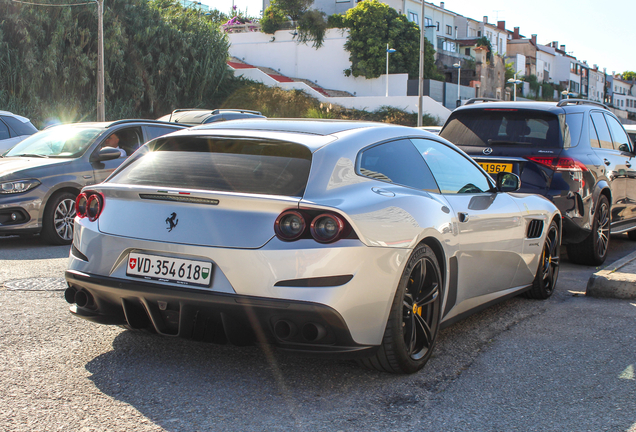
(413, 323)
(548, 270)
(593, 250)
(58, 219)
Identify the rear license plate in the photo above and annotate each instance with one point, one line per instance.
(494, 168)
(181, 271)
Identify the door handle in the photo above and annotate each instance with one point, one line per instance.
(606, 162)
(463, 217)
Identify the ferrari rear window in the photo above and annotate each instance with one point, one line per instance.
(220, 164)
(492, 127)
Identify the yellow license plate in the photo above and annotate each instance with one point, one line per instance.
(494, 168)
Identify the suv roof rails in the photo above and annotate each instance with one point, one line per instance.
(118, 122)
(564, 102)
(481, 99)
(214, 111)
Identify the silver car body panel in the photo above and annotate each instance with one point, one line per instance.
(494, 259)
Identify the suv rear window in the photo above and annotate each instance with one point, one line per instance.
(217, 164)
(492, 127)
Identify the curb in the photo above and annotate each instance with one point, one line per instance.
(618, 280)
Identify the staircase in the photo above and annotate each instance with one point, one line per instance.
(236, 63)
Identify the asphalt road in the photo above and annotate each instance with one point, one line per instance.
(565, 364)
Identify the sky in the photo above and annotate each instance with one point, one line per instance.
(601, 32)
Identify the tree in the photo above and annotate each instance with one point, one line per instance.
(158, 56)
(311, 24)
(372, 25)
(484, 42)
(629, 75)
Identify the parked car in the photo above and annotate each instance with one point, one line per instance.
(574, 152)
(337, 237)
(195, 116)
(41, 176)
(631, 131)
(431, 129)
(13, 129)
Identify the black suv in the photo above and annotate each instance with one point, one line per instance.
(574, 152)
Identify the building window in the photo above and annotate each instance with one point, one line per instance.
(479, 33)
(413, 18)
(449, 30)
(467, 51)
(437, 26)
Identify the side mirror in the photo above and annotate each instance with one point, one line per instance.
(105, 154)
(625, 148)
(508, 182)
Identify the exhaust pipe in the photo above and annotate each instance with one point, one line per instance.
(313, 332)
(83, 298)
(69, 295)
(284, 329)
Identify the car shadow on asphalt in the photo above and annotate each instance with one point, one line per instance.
(183, 385)
(30, 247)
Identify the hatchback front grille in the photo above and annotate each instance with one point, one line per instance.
(535, 228)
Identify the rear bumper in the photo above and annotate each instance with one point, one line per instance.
(212, 316)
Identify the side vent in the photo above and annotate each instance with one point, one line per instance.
(535, 228)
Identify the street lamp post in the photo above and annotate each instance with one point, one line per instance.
(515, 81)
(459, 72)
(101, 106)
(388, 51)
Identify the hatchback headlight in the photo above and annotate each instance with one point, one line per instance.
(18, 186)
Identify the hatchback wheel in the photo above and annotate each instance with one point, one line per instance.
(593, 250)
(58, 219)
(413, 322)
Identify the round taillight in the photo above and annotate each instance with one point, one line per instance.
(290, 225)
(326, 228)
(93, 207)
(80, 205)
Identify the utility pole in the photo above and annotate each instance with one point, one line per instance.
(101, 108)
(420, 91)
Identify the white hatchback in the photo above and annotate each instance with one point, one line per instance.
(13, 129)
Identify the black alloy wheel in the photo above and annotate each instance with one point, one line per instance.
(548, 270)
(414, 319)
(593, 250)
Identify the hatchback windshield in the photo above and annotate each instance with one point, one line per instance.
(59, 142)
(232, 165)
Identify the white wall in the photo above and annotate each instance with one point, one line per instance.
(369, 103)
(324, 66)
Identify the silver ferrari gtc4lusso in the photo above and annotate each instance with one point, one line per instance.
(349, 238)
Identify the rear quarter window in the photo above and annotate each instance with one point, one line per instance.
(218, 164)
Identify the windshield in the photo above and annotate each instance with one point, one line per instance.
(220, 164)
(64, 141)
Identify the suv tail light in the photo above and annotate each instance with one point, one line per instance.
(324, 227)
(89, 205)
(559, 163)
